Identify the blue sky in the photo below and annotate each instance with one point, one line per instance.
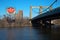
(24, 5)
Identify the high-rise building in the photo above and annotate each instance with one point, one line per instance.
(19, 16)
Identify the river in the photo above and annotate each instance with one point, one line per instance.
(27, 33)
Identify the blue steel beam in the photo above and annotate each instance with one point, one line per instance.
(48, 13)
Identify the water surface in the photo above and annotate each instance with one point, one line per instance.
(25, 33)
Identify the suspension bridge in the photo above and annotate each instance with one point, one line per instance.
(44, 18)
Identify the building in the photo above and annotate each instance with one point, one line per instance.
(57, 21)
(19, 16)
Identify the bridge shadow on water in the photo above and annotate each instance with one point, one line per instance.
(52, 32)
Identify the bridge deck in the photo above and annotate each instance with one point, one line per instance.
(48, 13)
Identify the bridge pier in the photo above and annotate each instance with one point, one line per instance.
(47, 24)
(37, 24)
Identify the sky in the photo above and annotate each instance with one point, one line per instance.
(25, 6)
